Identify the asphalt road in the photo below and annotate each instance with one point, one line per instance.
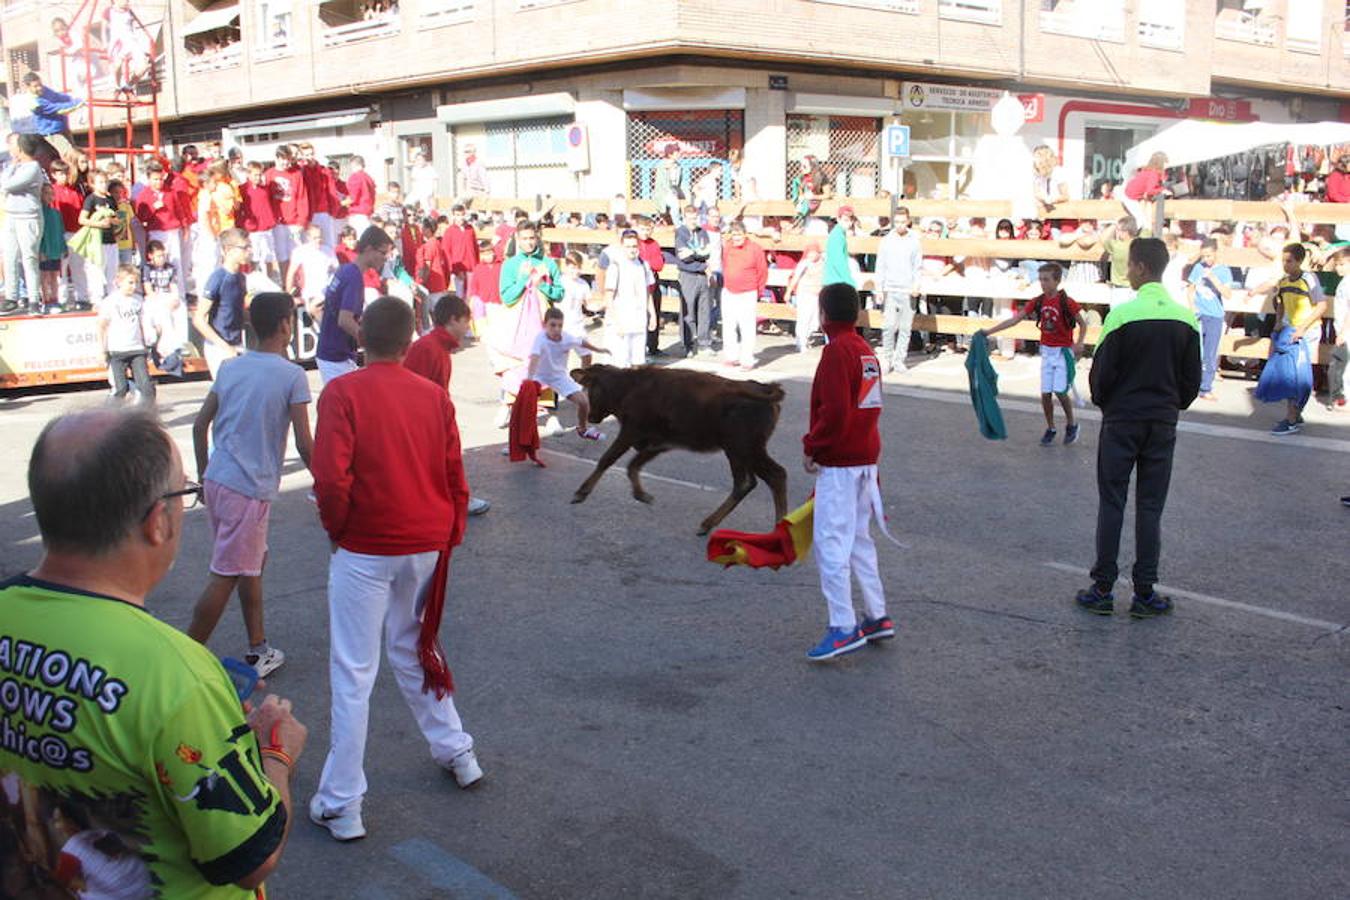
(650, 727)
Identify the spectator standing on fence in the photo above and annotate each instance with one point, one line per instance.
(315, 176)
(360, 195)
(22, 182)
(745, 269)
(310, 271)
(287, 185)
(50, 115)
(208, 789)
(1338, 181)
(258, 215)
(668, 184)
(1049, 183)
(1145, 370)
(896, 280)
(1116, 241)
(1209, 285)
(696, 280)
(422, 182)
(392, 529)
(837, 261)
(1301, 304)
(70, 203)
(255, 400)
(649, 248)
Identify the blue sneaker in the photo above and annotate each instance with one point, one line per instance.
(1095, 600)
(877, 629)
(837, 642)
(1286, 427)
(1149, 607)
(1048, 438)
(1071, 434)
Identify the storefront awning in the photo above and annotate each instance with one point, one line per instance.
(211, 19)
(657, 99)
(1193, 141)
(532, 106)
(315, 122)
(835, 105)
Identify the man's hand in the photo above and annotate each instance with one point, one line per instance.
(809, 465)
(275, 726)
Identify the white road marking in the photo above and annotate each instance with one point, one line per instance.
(1319, 624)
(619, 470)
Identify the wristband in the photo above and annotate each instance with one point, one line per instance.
(279, 755)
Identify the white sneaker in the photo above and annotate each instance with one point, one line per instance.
(342, 826)
(267, 663)
(592, 434)
(465, 768)
(551, 427)
(478, 506)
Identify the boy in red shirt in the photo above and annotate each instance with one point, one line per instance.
(360, 195)
(258, 215)
(461, 249)
(287, 185)
(432, 270)
(68, 201)
(159, 207)
(1056, 313)
(316, 178)
(649, 251)
(841, 450)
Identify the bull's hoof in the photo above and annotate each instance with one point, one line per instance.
(643, 497)
(579, 497)
(703, 529)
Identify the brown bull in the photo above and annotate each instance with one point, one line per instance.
(660, 409)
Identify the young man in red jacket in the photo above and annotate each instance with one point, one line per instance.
(461, 249)
(287, 185)
(360, 195)
(745, 271)
(841, 450)
(388, 525)
(258, 215)
(316, 177)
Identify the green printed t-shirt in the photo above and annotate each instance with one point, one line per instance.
(126, 766)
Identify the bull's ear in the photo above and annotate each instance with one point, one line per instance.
(582, 376)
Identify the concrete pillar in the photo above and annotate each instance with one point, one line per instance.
(766, 141)
(607, 124)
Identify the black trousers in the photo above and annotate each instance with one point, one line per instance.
(654, 332)
(1146, 449)
(696, 303)
(140, 374)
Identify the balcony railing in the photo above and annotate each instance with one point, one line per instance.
(900, 6)
(1162, 35)
(987, 12)
(369, 29)
(1076, 23)
(439, 13)
(1245, 28)
(215, 60)
(1303, 45)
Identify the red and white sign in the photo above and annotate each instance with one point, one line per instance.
(1034, 104)
(1223, 109)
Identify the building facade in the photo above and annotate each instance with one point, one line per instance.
(588, 97)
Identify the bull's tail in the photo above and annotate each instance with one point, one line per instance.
(770, 393)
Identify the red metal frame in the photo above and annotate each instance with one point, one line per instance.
(123, 100)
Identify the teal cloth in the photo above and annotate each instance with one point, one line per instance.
(837, 269)
(984, 389)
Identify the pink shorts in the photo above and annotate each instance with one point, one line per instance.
(239, 524)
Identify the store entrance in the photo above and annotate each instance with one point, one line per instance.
(1104, 148)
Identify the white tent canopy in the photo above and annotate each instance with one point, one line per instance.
(1193, 141)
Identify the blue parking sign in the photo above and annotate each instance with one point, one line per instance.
(897, 140)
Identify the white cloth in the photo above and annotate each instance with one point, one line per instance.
(328, 370)
(360, 222)
(366, 595)
(738, 327)
(282, 241)
(576, 293)
(627, 350)
(631, 282)
(173, 252)
(841, 541)
(1054, 370)
(125, 322)
(314, 268)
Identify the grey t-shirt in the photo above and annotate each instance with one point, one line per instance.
(255, 392)
(126, 333)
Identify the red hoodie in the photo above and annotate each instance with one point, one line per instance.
(649, 251)
(429, 356)
(361, 193)
(744, 268)
(159, 210)
(432, 271)
(845, 401)
(288, 189)
(367, 505)
(461, 248)
(68, 202)
(316, 187)
(258, 211)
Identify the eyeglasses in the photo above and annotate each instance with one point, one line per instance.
(191, 494)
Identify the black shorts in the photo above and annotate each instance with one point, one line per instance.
(49, 265)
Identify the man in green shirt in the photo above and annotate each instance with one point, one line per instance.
(122, 735)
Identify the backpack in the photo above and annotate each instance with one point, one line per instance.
(1064, 314)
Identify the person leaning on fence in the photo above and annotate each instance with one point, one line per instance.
(154, 726)
(896, 280)
(1145, 370)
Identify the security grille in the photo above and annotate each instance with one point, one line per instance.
(22, 60)
(528, 157)
(847, 148)
(702, 137)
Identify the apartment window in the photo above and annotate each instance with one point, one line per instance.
(438, 13)
(1162, 24)
(1097, 20)
(988, 12)
(847, 148)
(528, 157)
(211, 39)
(343, 22)
(942, 148)
(1303, 27)
(274, 26)
(902, 6)
(1247, 21)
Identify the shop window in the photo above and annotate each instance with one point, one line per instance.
(1162, 24)
(902, 6)
(528, 157)
(438, 13)
(988, 12)
(345, 22)
(1098, 20)
(699, 137)
(273, 29)
(847, 148)
(1104, 148)
(1303, 27)
(942, 148)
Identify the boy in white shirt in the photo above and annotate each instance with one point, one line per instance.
(548, 366)
(628, 285)
(310, 270)
(122, 335)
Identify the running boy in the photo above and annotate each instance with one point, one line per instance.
(841, 450)
(1055, 312)
(548, 366)
(251, 405)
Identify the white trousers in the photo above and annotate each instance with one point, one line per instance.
(738, 326)
(359, 221)
(627, 350)
(841, 541)
(808, 317)
(173, 252)
(76, 279)
(325, 223)
(100, 279)
(328, 370)
(367, 593)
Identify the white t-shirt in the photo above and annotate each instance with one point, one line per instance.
(126, 332)
(576, 291)
(315, 266)
(552, 367)
(631, 280)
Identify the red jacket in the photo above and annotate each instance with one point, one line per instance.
(167, 217)
(485, 282)
(1338, 187)
(744, 268)
(361, 193)
(288, 189)
(845, 401)
(649, 251)
(432, 271)
(1144, 184)
(258, 211)
(388, 476)
(461, 248)
(429, 356)
(68, 202)
(316, 186)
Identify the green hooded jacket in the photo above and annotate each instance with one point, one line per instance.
(515, 277)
